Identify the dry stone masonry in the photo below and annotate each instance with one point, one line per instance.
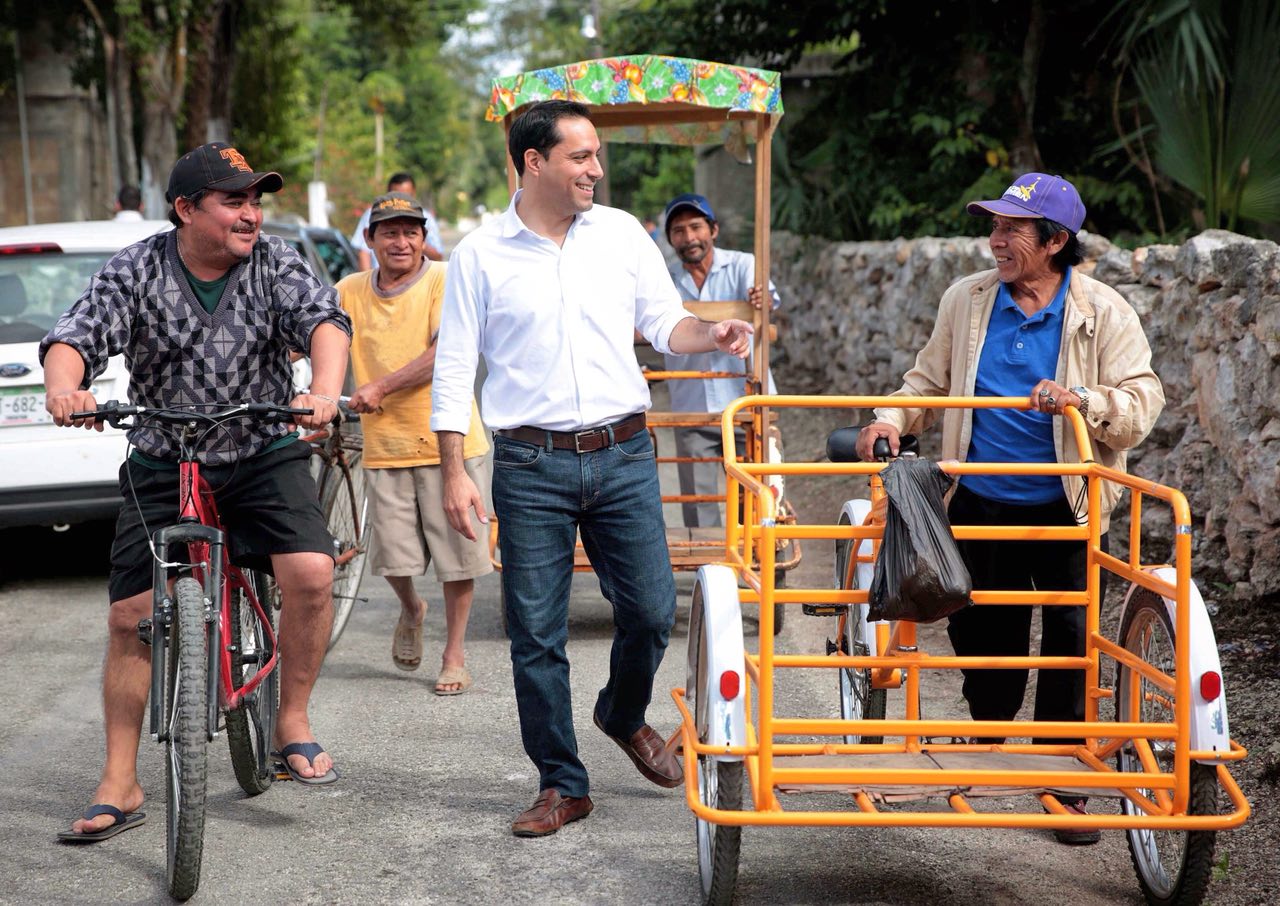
(857, 313)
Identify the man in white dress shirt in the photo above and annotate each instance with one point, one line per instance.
(551, 294)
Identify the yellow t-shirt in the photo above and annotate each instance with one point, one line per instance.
(387, 333)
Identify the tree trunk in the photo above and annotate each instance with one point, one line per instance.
(162, 74)
(122, 87)
(1025, 153)
(199, 91)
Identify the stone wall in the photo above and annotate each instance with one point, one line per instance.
(857, 312)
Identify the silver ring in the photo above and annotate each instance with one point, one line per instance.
(1044, 392)
(1052, 402)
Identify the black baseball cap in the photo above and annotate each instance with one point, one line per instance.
(219, 166)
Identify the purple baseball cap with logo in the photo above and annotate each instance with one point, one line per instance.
(1037, 195)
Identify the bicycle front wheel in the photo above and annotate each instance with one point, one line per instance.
(345, 504)
(186, 732)
(251, 724)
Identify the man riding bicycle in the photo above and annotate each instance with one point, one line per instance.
(206, 315)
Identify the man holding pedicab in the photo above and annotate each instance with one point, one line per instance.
(707, 273)
(1033, 326)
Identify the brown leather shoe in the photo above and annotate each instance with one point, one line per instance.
(650, 753)
(549, 811)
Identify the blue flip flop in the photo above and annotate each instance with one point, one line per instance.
(309, 751)
(122, 822)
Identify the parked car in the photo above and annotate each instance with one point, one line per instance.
(51, 475)
(56, 476)
(327, 250)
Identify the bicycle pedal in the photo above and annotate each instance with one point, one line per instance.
(824, 610)
(144, 631)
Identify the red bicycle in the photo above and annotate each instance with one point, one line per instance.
(213, 643)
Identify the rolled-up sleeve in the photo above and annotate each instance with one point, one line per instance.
(658, 305)
(458, 347)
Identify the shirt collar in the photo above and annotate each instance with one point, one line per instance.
(513, 226)
(1004, 300)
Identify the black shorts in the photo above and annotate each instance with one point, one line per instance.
(267, 505)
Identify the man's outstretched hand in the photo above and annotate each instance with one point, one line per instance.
(732, 336)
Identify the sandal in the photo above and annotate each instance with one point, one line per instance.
(450, 676)
(406, 646)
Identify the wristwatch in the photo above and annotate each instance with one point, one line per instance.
(1083, 393)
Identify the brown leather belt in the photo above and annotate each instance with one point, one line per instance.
(580, 441)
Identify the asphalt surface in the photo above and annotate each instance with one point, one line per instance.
(430, 784)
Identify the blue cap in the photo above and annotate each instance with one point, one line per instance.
(1037, 195)
(698, 203)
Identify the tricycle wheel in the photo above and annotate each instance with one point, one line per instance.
(858, 700)
(779, 610)
(719, 787)
(1173, 867)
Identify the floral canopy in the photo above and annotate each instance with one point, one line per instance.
(651, 98)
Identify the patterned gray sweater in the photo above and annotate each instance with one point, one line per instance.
(140, 304)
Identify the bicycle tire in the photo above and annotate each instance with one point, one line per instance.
(251, 724)
(858, 700)
(719, 845)
(345, 505)
(187, 735)
(1174, 868)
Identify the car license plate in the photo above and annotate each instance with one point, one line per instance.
(23, 406)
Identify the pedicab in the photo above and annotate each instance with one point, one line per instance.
(1156, 742)
(669, 100)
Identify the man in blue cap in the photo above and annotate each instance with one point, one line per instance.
(1035, 327)
(707, 274)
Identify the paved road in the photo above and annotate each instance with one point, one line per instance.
(430, 785)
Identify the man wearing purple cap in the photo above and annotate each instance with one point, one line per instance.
(1035, 327)
(208, 313)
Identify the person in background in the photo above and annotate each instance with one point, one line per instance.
(128, 204)
(709, 274)
(1035, 326)
(395, 317)
(433, 248)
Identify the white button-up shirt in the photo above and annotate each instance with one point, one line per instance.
(732, 274)
(554, 323)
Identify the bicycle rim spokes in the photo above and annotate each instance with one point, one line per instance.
(186, 729)
(858, 699)
(1173, 867)
(250, 726)
(346, 506)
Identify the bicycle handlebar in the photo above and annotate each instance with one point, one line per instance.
(113, 413)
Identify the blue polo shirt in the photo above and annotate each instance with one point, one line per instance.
(1018, 352)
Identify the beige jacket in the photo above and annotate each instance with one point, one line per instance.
(1103, 349)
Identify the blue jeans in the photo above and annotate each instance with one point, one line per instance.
(543, 498)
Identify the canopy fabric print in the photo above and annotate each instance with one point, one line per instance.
(651, 98)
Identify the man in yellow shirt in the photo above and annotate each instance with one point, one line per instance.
(395, 317)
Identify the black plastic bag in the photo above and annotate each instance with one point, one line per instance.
(919, 575)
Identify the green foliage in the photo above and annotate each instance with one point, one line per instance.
(643, 178)
(905, 111)
(1218, 130)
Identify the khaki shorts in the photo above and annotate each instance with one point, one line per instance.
(410, 530)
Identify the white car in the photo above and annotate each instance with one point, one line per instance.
(51, 475)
